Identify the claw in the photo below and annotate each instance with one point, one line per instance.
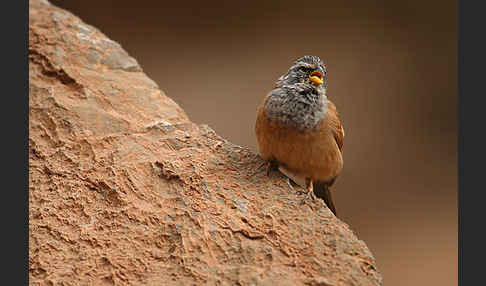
(289, 183)
(257, 169)
(309, 190)
(269, 166)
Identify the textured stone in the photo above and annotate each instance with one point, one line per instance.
(124, 189)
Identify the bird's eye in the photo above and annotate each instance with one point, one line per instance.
(305, 68)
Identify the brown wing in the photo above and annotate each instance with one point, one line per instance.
(336, 126)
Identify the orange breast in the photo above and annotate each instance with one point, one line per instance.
(311, 154)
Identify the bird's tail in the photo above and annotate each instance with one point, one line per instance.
(322, 190)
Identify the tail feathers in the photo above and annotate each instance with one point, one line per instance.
(321, 190)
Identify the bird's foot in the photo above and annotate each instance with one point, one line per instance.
(309, 192)
(309, 196)
(269, 167)
(289, 183)
(258, 169)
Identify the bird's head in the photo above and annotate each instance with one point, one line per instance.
(308, 70)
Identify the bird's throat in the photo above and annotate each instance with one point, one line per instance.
(296, 107)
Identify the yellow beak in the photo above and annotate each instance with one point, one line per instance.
(317, 77)
(317, 80)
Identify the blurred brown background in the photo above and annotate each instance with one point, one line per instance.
(392, 74)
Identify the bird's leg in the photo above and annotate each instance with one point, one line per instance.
(309, 187)
(271, 165)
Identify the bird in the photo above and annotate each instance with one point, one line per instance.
(298, 129)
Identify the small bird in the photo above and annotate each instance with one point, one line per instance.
(298, 128)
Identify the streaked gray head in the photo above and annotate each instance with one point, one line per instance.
(308, 70)
(299, 97)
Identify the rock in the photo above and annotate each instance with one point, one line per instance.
(125, 189)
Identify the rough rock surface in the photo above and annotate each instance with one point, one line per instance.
(125, 190)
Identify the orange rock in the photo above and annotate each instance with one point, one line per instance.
(125, 189)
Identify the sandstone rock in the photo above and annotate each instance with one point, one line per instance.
(124, 189)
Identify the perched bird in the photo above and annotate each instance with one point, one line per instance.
(298, 128)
